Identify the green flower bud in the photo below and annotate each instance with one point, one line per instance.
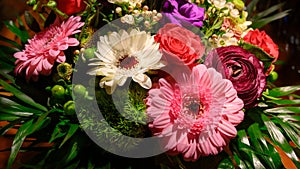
(31, 2)
(239, 4)
(79, 91)
(64, 70)
(58, 92)
(51, 4)
(273, 76)
(89, 53)
(69, 108)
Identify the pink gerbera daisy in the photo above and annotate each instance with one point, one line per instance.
(196, 117)
(46, 48)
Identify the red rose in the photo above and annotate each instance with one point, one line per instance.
(181, 43)
(263, 41)
(70, 7)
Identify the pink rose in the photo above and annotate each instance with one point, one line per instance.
(181, 43)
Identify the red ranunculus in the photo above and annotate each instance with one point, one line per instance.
(71, 7)
(181, 43)
(263, 41)
(243, 69)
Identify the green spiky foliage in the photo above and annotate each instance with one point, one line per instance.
(124, 115)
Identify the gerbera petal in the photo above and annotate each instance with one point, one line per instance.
(61, 58)
(72, 42)
(227, 129)
(206, 116)
(53, 52)
(143, 80)
(45, 48)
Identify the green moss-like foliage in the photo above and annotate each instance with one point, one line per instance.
(124, 114)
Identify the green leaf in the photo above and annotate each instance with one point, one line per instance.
(290, 133)
(10, 51)
(278, 137)
(226, 164)
(289, 118)
(4, 39)
(217, 24)
(20, 136)
(284, 102)
(90, 165)
(283, 110)
(7, 76)
(260, 144)
(268, 11)
(57, 132)
(20, 95)
(31, 22)
(244, 145)
(251, 7)
(108, 166)
(73, 128)
(39, 123)
(22, 34)
(5, 65)
(262, 22)
(286, 161)
(8, 117)
(283, 91)
(73, 165)
(73, 152)
(11, 107)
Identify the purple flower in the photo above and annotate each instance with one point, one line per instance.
(182, 11)
(243, 69)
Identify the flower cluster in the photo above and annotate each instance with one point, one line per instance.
(196, 67)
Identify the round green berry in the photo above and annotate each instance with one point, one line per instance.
(69, 108)
(58, 92)
(79, 91)
(273, 76)
(89, 53)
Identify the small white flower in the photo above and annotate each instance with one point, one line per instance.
(229, 5)
(219, 4)
(235, 13)
(131, 2)
(121, 55)
(127, 19)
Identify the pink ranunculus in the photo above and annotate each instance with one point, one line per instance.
(46, 48)
(243, 69)
(197, 116)
(181, 43)
(71, 7)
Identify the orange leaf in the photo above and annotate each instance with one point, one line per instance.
(286, 161)
(6, 94)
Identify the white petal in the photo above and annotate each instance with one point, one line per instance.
(143, 80)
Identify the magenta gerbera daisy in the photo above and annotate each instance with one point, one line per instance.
(196, 117)
(46, 48)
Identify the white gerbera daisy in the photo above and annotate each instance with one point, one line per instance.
(121, 55)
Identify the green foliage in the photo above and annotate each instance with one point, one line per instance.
(260, 19)
(18, 31)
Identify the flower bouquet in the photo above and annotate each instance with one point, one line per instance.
(147, 84)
